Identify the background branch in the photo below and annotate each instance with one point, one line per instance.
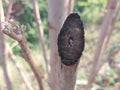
(40, 30)
(16, 33)
(3, 51)
(104, 29)
(17, 65)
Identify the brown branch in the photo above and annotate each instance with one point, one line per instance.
(70, 6)
(111, 28)
(9, 9)
(30, 59)
(3, 50)
(16, 33)
(40, 30)
(104, 29)
(17, 65)
(70, 48)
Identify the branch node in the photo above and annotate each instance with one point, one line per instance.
(12, 29)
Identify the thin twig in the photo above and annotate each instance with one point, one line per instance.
(9, 9)
(17, 65)
(40, 30)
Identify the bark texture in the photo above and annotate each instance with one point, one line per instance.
(30, 59)
(71, 40)
(16, 32)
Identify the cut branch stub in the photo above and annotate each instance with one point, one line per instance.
(71, 40)
(12, 29)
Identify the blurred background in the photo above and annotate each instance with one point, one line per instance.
(94, 14)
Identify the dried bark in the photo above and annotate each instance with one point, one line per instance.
(61, 77)
(56, 17)
(9, 9)
(3, 50)
(40, 30)
(104, 29)
(70, 48)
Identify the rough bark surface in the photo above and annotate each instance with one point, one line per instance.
(70, 48)
(71, 40)
(67, 77)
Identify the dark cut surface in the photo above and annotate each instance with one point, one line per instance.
(71, 40)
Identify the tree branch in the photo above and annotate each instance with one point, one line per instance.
(40, 30)
(15, 31)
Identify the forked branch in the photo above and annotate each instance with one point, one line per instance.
(15, 31)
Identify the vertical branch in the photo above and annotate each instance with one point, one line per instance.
(70, 6)
(10, 53)
(9, 10)
(3, 50)
(104, 29)
(40, 30)
(17, 65)
(68, 77)
(57, 12)
(16, 32)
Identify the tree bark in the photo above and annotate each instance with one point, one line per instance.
(56, 16)
(9, 10)
(67, 77)
(30, 59)
(3, 50)
(61, 77)
(70, 48)
(111, 28)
